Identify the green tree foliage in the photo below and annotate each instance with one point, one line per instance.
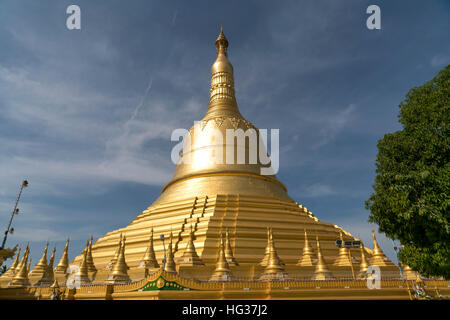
(412, 186)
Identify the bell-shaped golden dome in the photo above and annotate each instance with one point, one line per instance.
(213, 162)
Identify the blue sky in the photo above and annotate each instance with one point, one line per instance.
(86, 115)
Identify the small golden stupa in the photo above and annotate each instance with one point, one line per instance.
(268, 250)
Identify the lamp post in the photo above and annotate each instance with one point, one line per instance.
(14, 212)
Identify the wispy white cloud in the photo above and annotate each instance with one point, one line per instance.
(331, 124)
(440, 60)
(317, 190)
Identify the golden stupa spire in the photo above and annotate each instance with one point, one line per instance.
(110, 265)
(42, 264)
(190, 257)
(343, 258)
(364, 264)
(267, 252)
(119, 273)
(52, 259)
(322, 272)
(221, 43)
(170, 263)
(274, 268)
(222, 271)
(25, 255)
(231, 260)
(48, 277)
(11, 271)
(222, 99)
(89, 258)
(308, 257)
(63, 264)
(83, 271)
(376, 248)
(21, 276)
(149, 260)
(266, 258)
(378, 257)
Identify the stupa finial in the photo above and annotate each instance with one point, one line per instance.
(48, 276)
(90, 259)
(170, 264)
(231, 260)
(149, 260)
(378, 257)
(221, 43)
(42, 264)
(119, 273)
(52, 258)
(222, 271)
(222, 100)
(190, 256)
(322, 272)
(308, 256)
(267, 252)
(274, 268)
(343, 258)
(83, 271)
(63, 263)
(376, 248)
(363, 265)
(116, 255)
(43, 261)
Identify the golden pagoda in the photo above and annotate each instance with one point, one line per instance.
(208, 195)
(212, 196)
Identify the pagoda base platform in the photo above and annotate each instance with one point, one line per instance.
(161, 285)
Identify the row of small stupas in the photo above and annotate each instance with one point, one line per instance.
(20, 273)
